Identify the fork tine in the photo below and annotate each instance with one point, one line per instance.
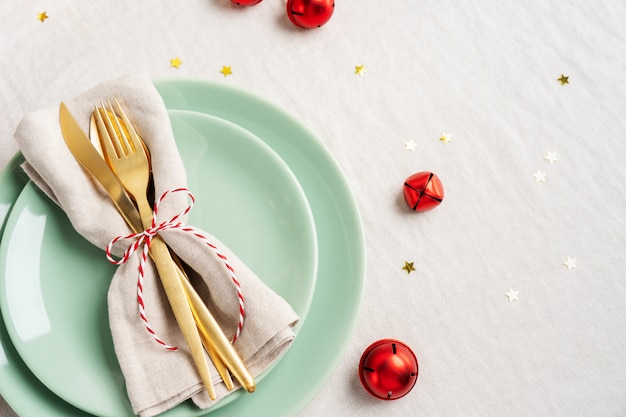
(108, 144)
(109, 118)
(133, 139)
(117, 131)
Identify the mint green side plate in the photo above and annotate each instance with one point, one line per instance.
(299, 376)
(55, 284)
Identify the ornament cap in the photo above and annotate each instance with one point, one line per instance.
(388, 369)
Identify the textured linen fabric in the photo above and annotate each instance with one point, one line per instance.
(483, 71)
(156, 379)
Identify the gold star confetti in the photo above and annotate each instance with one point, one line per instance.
(540, 176)
(359, 69)
(445, 138)
(175, 62)
(410, 146)
(550, 156)
(512, 294)
(563, 79)
(226, 71)
(570, 263)
(408, 267)
(42, 16)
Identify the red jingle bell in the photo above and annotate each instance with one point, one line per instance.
(423, 191)
(310, 14)
(246, 2)
(388, 369)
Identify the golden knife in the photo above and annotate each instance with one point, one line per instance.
(90, 159)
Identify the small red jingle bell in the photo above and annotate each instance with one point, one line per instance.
(388, 369)
(310, 14)
(246, 2)
(423, 191)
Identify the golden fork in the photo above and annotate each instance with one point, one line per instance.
(92, 160)
(196, 303)
(127, 140)
(129, 163)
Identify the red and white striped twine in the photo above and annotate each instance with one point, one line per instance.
(145, 238)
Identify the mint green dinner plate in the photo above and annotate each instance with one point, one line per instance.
(323, 338)
(55, 284)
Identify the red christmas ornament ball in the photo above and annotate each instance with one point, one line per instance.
(423, 191)
(310, 14)
(388, 369)
(246, 2)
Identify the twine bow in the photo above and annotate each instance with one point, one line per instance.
(144, 238)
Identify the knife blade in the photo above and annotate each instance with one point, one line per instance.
(93, 163)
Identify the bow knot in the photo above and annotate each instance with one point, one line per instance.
(144, 238)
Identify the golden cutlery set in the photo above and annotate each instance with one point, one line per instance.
(119, 160)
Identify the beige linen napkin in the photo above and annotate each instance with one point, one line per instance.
(156, 379)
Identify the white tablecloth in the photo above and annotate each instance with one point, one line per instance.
(483, 72)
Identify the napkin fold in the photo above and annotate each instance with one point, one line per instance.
(156, 379)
